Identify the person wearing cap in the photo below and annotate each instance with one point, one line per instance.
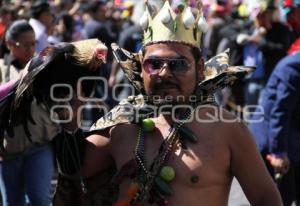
(41, 20)
(191, 157)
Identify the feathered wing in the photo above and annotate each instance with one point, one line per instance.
(37, 65)
(63, 63)
(219, 74)
(89, 54)
(131, 66)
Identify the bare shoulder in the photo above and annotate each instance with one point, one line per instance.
(122, 133)
(231, 129)
(215, 116)
(100, 139)
(236, 130)
(245, 162)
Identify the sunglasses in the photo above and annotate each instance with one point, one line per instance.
(176, 65)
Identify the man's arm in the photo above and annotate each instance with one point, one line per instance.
(97, 156)
(248, 167)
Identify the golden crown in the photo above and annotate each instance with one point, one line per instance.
(177, 20)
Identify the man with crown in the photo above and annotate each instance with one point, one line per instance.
(172, 145)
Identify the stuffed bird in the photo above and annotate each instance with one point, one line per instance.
(64, 63)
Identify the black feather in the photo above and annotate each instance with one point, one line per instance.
(39, 63)
(55, 65)
(5, 111)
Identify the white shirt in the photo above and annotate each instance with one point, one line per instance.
(40, 34)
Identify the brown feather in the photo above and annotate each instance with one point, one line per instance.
(90, 53)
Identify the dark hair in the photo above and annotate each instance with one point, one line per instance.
(93, 6)
(68, 21)
(39, 7)
(16, 28)
(197, 54)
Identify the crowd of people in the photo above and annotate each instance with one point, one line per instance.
(261, 33)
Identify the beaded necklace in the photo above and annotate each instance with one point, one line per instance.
(148, 178)
(147, 184)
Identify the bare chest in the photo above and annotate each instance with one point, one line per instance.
(196, 165)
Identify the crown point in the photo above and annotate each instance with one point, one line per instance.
(144, 21)
(188, 18)
(154, 6)
(202, 24)
(167, 20)
(165, 17)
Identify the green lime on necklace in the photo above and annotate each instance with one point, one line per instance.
(148, 125)
(167, 173)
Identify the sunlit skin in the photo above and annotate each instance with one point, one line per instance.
(204, 170)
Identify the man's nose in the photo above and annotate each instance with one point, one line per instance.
(165, 70)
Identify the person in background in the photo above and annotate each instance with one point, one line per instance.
(20, 40)
(6, 16)
(64, 29)
(130, 38)
(265, 44)
(27, 164)
(96, 27)
(41, 20)
(278, 134)
(292, 12)
(218, 18)
(5, 19)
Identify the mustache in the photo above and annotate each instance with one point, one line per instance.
(165, 83)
